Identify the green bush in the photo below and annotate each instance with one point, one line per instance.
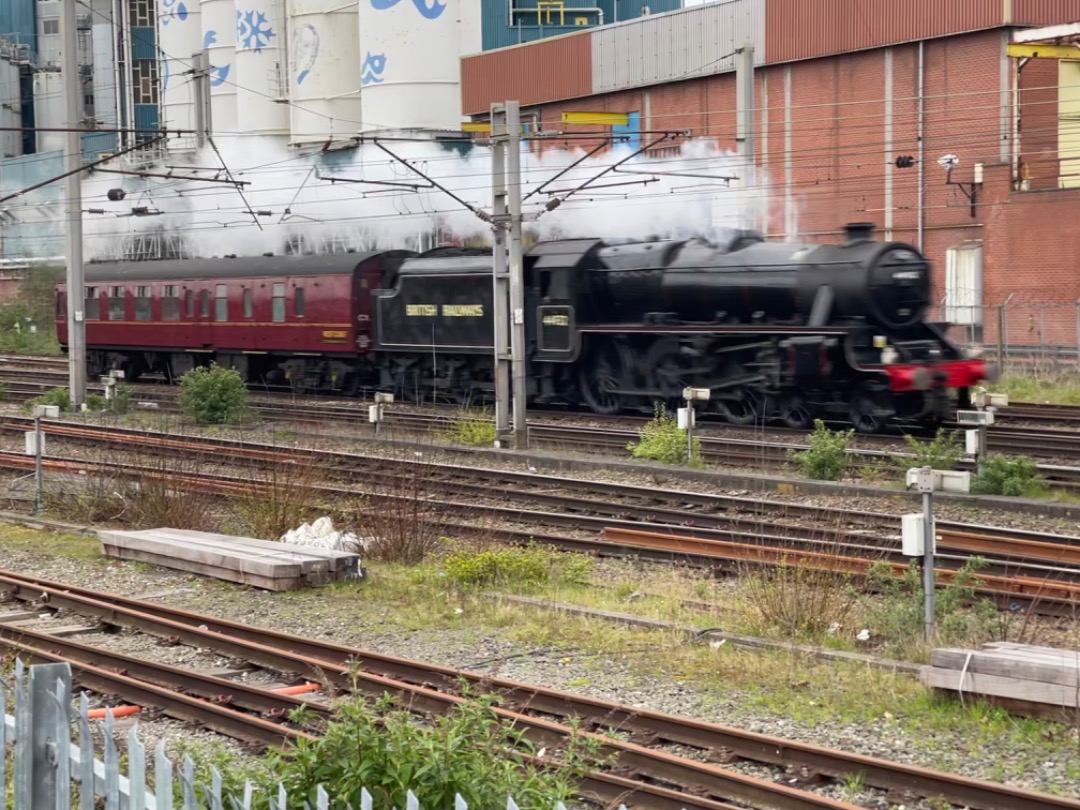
(518, 566)
(119, 404)
(826, 460)
(60, 397)
(468, 751)
(663, 440)
(1016, 477)
(943, 452)
(212, 395)
(472, 429)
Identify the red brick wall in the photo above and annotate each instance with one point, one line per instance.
(839, 155)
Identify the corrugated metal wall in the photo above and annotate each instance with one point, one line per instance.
(18, 23)
(801, 29)
(1045, 12)
(698, 41)
(532, 74)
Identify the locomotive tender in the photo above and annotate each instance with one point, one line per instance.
(774, 330)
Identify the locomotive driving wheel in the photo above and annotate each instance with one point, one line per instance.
(745, 410)
(599, 379)
(865, 412)
(794, 411)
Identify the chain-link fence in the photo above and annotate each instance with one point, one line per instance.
(1017, 334)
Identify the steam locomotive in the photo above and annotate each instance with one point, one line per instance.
(775, 331)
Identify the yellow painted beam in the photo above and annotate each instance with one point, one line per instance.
(483, 126)
(603, 119)
(1019, 50)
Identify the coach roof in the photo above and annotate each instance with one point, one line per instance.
(241, 267)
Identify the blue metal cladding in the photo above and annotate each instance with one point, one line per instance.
(632, 131)
(143, 44)
(93, 145)
(146, 117)
(18, 22)
(514, 22)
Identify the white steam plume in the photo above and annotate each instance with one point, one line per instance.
(213, 218)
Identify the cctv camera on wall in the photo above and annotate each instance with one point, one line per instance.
(949, 162)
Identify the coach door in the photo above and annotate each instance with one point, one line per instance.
(553, 327)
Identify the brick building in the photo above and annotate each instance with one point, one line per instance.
(843, 89)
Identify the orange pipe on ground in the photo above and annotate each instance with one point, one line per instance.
(117, 711)
(298, 690)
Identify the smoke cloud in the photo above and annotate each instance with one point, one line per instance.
(695, 192)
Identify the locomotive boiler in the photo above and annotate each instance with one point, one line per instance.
(775, 331)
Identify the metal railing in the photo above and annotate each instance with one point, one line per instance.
(56, 770)
(1042, 334)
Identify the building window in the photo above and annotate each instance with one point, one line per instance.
(247, 303)
(144, 81)
(279, 303)
(298, 302)
(142, 303)
(170, 304)
(116, 303)
(92, 305)
(204, 303)
(50, 26)
(140, 11)
(221, 303)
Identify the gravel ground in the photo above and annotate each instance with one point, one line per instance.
(1025, 760)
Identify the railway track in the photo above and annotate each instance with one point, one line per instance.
(723, 532)
(645, 772)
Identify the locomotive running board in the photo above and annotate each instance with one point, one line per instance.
(718, 330)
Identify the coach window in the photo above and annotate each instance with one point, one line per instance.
(170, 304)
(116, 303)
(247, 303)
(298, 302)
(92, 304)
(189, 303)
(221, 304)
(204, 303)
(279, 303)
(142, 303)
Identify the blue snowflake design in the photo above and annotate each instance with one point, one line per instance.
(253, 30)
(371, 72)
(175, 10)
(218, 75)
(430, 9)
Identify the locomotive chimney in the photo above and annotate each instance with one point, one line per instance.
(858, 232)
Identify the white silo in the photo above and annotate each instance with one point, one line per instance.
(324, 70)
(219, 19)
(410, 70)
(180, 34)
(260, 67)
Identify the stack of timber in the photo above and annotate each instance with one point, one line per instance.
(263, 564)
(1023, 678)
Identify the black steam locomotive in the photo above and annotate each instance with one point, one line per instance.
(774, 331)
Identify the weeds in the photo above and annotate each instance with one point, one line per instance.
(943, 452)
(472, 428)
(119, 403)
(403, 527)
(514, 566)
(827, 458)
(3, 390)
(1004, 475)
(60, 397)
(282, 496)
(468, 751)
(663, 440)
(27, 324)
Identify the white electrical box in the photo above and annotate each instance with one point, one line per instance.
(374, 413)
(921, 480)
(975, 417)
(971, 442)
(31, 443)
(913, 535)
(383, 398)
(984, 399)
(953, 481)
(686, 418)
(46, 411)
